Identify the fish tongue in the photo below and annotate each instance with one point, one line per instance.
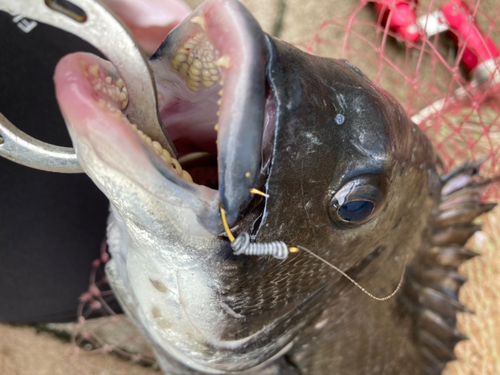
(214, 62)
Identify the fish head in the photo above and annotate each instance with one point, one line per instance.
(351, 173)
(347, 174)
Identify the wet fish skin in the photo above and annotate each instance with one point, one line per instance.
(206, 310)
(313, 157)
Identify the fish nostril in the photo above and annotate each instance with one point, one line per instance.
(67, 8)
(339, 119)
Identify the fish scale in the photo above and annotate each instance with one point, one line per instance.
(285, 284)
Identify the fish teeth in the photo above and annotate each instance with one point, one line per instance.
(200, 21)
(186, 176)
(177, 166)
(113, 91)
(223, 62)
(113, 97)
(120, 84)
(163, 154)
(94, 70)
(157, 147)
(197, 60)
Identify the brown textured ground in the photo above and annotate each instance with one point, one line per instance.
(23, 351)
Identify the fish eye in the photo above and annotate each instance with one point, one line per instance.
(358, 201)
(356, 210)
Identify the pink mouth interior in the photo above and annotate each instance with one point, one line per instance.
(92, 96)
(81, 102)
(194, 119)
(191, 116)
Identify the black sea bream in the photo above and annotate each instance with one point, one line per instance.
(347, 174)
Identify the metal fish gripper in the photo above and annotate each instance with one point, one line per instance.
(93, 22)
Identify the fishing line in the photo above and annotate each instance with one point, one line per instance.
(356, 283)
(241, 245)
(258, 192)
(224, 222)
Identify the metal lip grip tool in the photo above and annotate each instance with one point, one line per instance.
(93, 22)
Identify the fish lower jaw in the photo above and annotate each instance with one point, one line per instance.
(207, 368)
(111, 97)
(176, 303)
(164, 155)
(114, 99)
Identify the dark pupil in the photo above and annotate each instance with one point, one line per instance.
(355, 210)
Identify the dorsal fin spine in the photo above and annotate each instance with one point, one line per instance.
(433, 282)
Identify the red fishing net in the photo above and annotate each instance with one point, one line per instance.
(447, 81)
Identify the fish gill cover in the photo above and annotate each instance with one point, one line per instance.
(421, 72)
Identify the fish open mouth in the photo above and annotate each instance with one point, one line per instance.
(211, 79)
(216, 100)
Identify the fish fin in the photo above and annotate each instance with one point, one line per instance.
(457, 234)
(435, 346)
(462, 213)
(435, 365)
(439, 302)
(449, 257)
(444, 281)
(447, 333)
(437, 333)
(433, 283)
(467, 168)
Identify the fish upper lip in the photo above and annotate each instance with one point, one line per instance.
(242, 51)
(238, 37)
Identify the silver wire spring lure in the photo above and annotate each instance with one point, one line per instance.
(242, 246)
